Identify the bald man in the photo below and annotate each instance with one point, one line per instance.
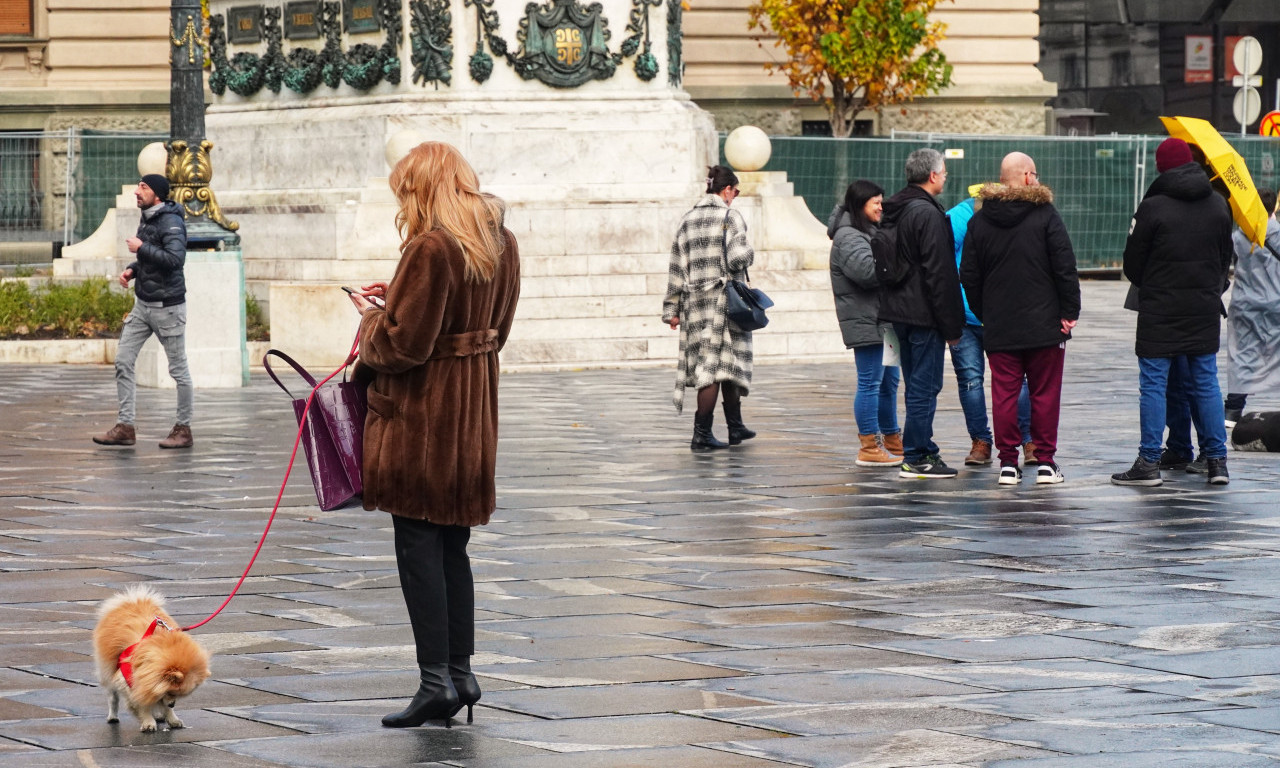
(1019, 274)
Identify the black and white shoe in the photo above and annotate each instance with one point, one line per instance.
(1198, 467)
(928, 468)
(1048, 473)
(1218, 471)
(1010, 475)
(1143, 472)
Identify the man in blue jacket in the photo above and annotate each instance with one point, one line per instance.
(159, 307)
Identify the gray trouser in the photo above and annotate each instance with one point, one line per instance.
(169, 324)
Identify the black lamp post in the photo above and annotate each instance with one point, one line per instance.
(189, 167)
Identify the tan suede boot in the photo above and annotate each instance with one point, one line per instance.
(872, 455)
(892, 443)
(980, 455)
(179, 437)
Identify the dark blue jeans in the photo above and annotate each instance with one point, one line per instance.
(1178, 415)
(1200, 386)
(922, 352)
(875, 405)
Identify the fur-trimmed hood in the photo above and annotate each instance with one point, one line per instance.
(1006, 206)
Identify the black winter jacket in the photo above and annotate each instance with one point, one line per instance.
(853, 281)
(157, 274)
(1018, 269)
(930, 296)
(1177, 255)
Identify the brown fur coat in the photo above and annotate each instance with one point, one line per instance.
(431, 437)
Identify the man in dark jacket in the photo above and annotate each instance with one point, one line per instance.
(1019, 273)
(159, 307)
(1177, 256)
(925, 308)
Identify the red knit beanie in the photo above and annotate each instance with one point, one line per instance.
(1172, 153)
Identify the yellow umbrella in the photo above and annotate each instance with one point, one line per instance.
(1226, 164)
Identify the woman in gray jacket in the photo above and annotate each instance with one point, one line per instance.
(853, 279)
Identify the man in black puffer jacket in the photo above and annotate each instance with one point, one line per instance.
(1019, 273)
(1177, 256)
(926, 309)
(159, 307)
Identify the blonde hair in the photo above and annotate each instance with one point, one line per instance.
(438, 189)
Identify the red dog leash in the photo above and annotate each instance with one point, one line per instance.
(302, 420)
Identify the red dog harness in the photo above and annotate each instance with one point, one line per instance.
(125, 664)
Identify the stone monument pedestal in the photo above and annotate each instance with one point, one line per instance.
(216, 349)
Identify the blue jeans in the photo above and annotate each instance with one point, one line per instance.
(966, 360)
(1202, 392)
(922, 352)
(875, 405)
(1178, 415)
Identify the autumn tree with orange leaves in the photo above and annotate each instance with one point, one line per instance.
(855, 54)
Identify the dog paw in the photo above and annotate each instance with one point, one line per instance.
(113, 719)
(148, 727)
(175, 723)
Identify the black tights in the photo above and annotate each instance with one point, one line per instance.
(435, 577)
(707, 396)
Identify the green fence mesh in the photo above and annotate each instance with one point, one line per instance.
(106, 162)
(1097, 181)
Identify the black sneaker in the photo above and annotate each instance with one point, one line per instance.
(1198, 467)
(1010, 475)
(1172, 460)
(1142, 472)
(928, 468)
(1218, 471)
(1048, 473)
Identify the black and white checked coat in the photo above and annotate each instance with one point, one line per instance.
(712, 349)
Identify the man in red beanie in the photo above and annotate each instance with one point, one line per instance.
(1177, 257)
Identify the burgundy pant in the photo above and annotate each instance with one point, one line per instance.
(1043, 370)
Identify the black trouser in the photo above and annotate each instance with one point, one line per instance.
(435, 577)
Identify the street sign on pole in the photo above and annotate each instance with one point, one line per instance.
(1247, 58)
(1270, 125)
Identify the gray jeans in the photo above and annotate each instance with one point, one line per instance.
(169, 324)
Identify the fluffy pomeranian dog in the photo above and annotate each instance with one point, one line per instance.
(161, 663)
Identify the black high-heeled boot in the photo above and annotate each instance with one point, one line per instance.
(703, 439)
(464, 682)
(733, 417)
(436, 699)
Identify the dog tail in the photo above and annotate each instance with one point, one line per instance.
(136, 593)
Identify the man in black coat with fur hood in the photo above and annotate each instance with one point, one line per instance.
(1177, 257)
(1019, 273)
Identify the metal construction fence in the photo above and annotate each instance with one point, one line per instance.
(1097, 181)
(56, 186)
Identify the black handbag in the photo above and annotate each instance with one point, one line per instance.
(745, 305)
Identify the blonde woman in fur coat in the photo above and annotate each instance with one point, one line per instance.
(710, 248)
(431, 436)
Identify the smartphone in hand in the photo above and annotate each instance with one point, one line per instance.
(374, 300)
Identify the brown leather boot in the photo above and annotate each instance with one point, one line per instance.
(120, 434)
(1029, 454)
(872, 455)
(892, 444)
(179, 437)
(980, 455)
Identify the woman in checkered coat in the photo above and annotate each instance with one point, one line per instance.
(715, 355)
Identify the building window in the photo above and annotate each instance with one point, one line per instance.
(1121, 68)
(19, 183)
(15, 17)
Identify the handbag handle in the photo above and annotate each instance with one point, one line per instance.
(307, 377)
(724, 248)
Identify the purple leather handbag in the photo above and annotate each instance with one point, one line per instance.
(332, 433)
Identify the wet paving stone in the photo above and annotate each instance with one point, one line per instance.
(638, 605)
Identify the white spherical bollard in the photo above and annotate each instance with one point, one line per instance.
(747, 148)
(153, 158)
(400, 143)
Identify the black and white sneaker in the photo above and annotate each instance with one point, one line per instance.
(1217, 471)
(1048, 473)
(1198, 467)
(1143, 472)
(1010, 475)
(928, 468)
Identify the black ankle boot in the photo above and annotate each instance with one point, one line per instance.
(464, 682)
(436, 699)
(733, 417)
(703, 439)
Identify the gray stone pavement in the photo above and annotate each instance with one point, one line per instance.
(638, 605)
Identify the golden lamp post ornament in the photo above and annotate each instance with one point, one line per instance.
(189, 170)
